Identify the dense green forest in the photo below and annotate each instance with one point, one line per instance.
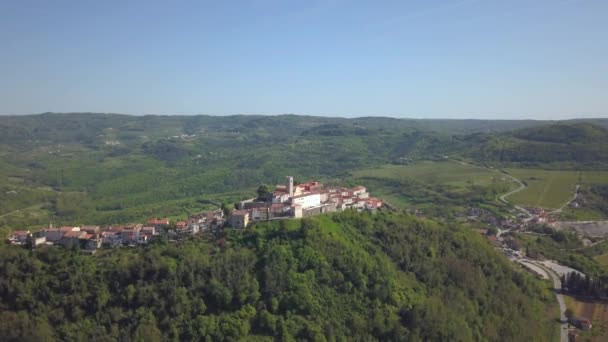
(563, 146)
(109, 168)
(340, 277)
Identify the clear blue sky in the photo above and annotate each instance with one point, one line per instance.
(541, 59)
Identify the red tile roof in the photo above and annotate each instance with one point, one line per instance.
(116, 229)
(72, 234)
(154, 221)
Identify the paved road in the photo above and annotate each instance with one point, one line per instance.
(557, 285)
(535, 268)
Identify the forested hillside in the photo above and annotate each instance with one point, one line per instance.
(109, 168)
(562, 146)
(344, 277)
(76, 127)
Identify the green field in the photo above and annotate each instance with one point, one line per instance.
(552, 188)
(433, 182)
(545, 188)
(448, 173)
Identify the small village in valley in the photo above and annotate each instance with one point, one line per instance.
(289, 201)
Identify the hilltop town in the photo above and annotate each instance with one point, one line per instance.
(301, 200)
(289, 201)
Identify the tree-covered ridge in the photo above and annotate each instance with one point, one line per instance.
(79, 127)
(562, 145)
(344, 277)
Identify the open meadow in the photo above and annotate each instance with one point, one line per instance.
(447, 173)
(551, 188)
(436, 182)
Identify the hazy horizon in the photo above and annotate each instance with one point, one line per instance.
(460, 59)
(319, 115)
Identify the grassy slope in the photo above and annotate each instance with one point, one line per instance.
(448, 173)
(552, 188)
(425, 183)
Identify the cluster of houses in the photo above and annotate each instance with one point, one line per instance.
(301, 200)
(285, 202)
(90, 238)
(537, 216)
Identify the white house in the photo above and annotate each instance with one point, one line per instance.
(358, 190)
(307, 200)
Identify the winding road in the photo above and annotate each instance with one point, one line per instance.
(557, 285)
(503, 198)
(522, 186)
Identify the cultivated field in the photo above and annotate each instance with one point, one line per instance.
(433, 176)
(448, 173)
(552, 188)
(545, 188)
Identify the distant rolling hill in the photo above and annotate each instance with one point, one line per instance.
(78, 127)
(119, 168)
(569, 144)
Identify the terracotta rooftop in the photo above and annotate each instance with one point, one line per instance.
(158, 221)
(72, 234)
